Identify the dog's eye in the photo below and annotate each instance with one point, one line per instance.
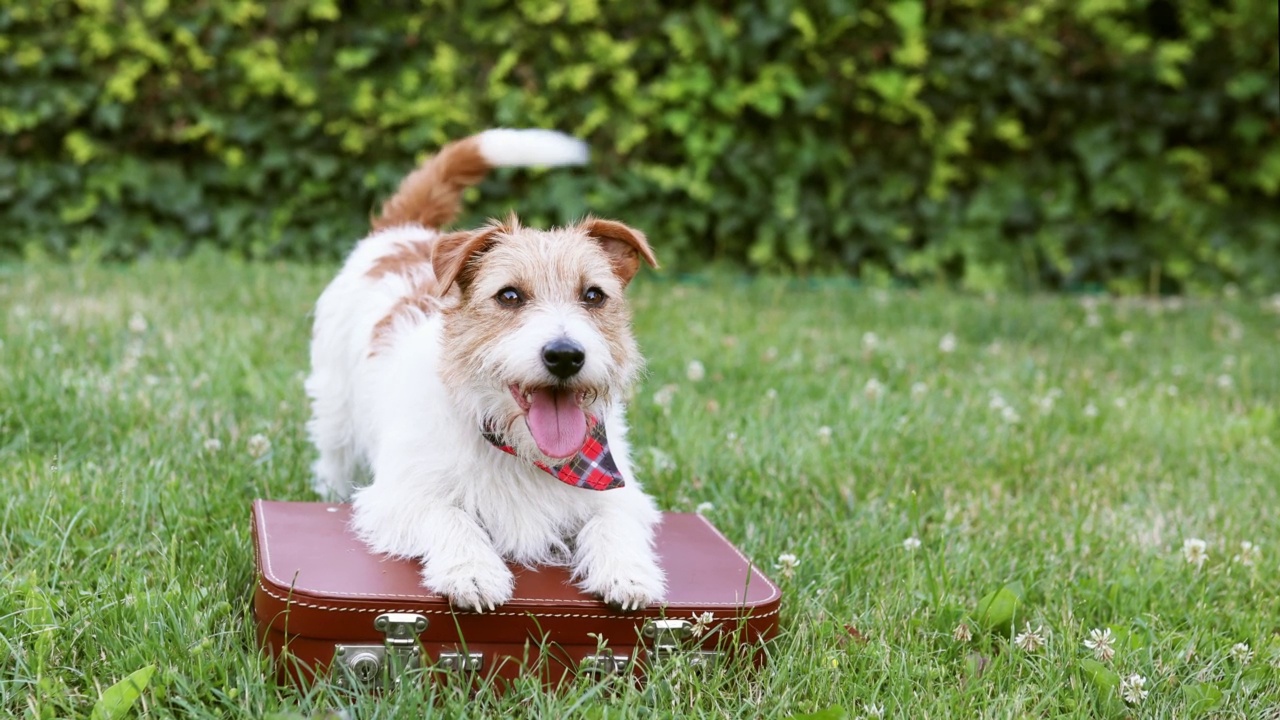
(509, 297)
(593, 297)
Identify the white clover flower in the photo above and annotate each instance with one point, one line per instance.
(873, 710)
(770, 354)
(1131, 689)
(701, 623)
(962, 633)
(1009, 415)
(1126, 338)
(137, 323)
(770, 394)
(704, 508)
(786, 565)
(1030, 640)
(1242, 653)
(873, 389)
(1047, 402)
(1171, 390)
(918, 389)
(1091, 410)
(259, 446)
(665, 394)
(1120, 402)
(1093, 320)
(824, 435)
(911, 544)
(997, 401)
(1249, 554)
(212, 445)
(695, 371)
(870, 341)
(1196, 551)
(1100, 643)
(948, 343)
(1225, 382)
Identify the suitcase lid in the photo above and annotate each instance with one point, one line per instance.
(316, 579)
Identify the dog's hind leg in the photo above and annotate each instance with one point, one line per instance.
(332, 432)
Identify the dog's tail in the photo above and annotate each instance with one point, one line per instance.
(430, 196)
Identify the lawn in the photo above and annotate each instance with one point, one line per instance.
(931, 462)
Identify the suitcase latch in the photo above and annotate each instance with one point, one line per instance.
(603, 663)
(667, 638)
(366, 666)
(668, 633)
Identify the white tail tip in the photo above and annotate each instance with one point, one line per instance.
(523, 148)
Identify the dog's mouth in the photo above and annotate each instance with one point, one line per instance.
(555, 418)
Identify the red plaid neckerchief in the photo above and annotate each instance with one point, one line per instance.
(592, 468)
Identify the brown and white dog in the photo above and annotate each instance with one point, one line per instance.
(478, 378)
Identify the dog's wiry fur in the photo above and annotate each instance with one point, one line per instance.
(413, 353)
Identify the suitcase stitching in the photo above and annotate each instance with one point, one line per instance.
(315, 606)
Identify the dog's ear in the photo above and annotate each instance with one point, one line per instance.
(624, 245)
(454, 252)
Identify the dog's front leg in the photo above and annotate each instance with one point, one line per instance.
(461, 563)
(614, 556)
(458, 559)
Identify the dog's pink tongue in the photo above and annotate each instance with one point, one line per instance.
(557, 424)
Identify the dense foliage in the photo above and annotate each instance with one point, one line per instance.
(1049, 143)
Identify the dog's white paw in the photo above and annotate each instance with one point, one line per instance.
(479, 586)
(627, 586)
(629, 596)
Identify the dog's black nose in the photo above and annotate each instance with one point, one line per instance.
(563, 357)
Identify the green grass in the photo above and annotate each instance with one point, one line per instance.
(125, 533)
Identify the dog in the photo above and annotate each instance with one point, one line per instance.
(468, 388)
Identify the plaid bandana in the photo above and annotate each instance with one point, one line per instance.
(592, 468)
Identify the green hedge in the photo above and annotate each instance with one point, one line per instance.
(1131, 144)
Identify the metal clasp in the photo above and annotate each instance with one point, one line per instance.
(668, 638)
(367, 665)
(603, 663)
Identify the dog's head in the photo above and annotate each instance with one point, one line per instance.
(541, 335)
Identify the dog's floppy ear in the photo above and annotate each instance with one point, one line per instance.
(454, 252)
(624, 245)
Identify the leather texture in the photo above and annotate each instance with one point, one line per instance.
(319, 586)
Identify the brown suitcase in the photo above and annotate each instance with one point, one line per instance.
(326, 606)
